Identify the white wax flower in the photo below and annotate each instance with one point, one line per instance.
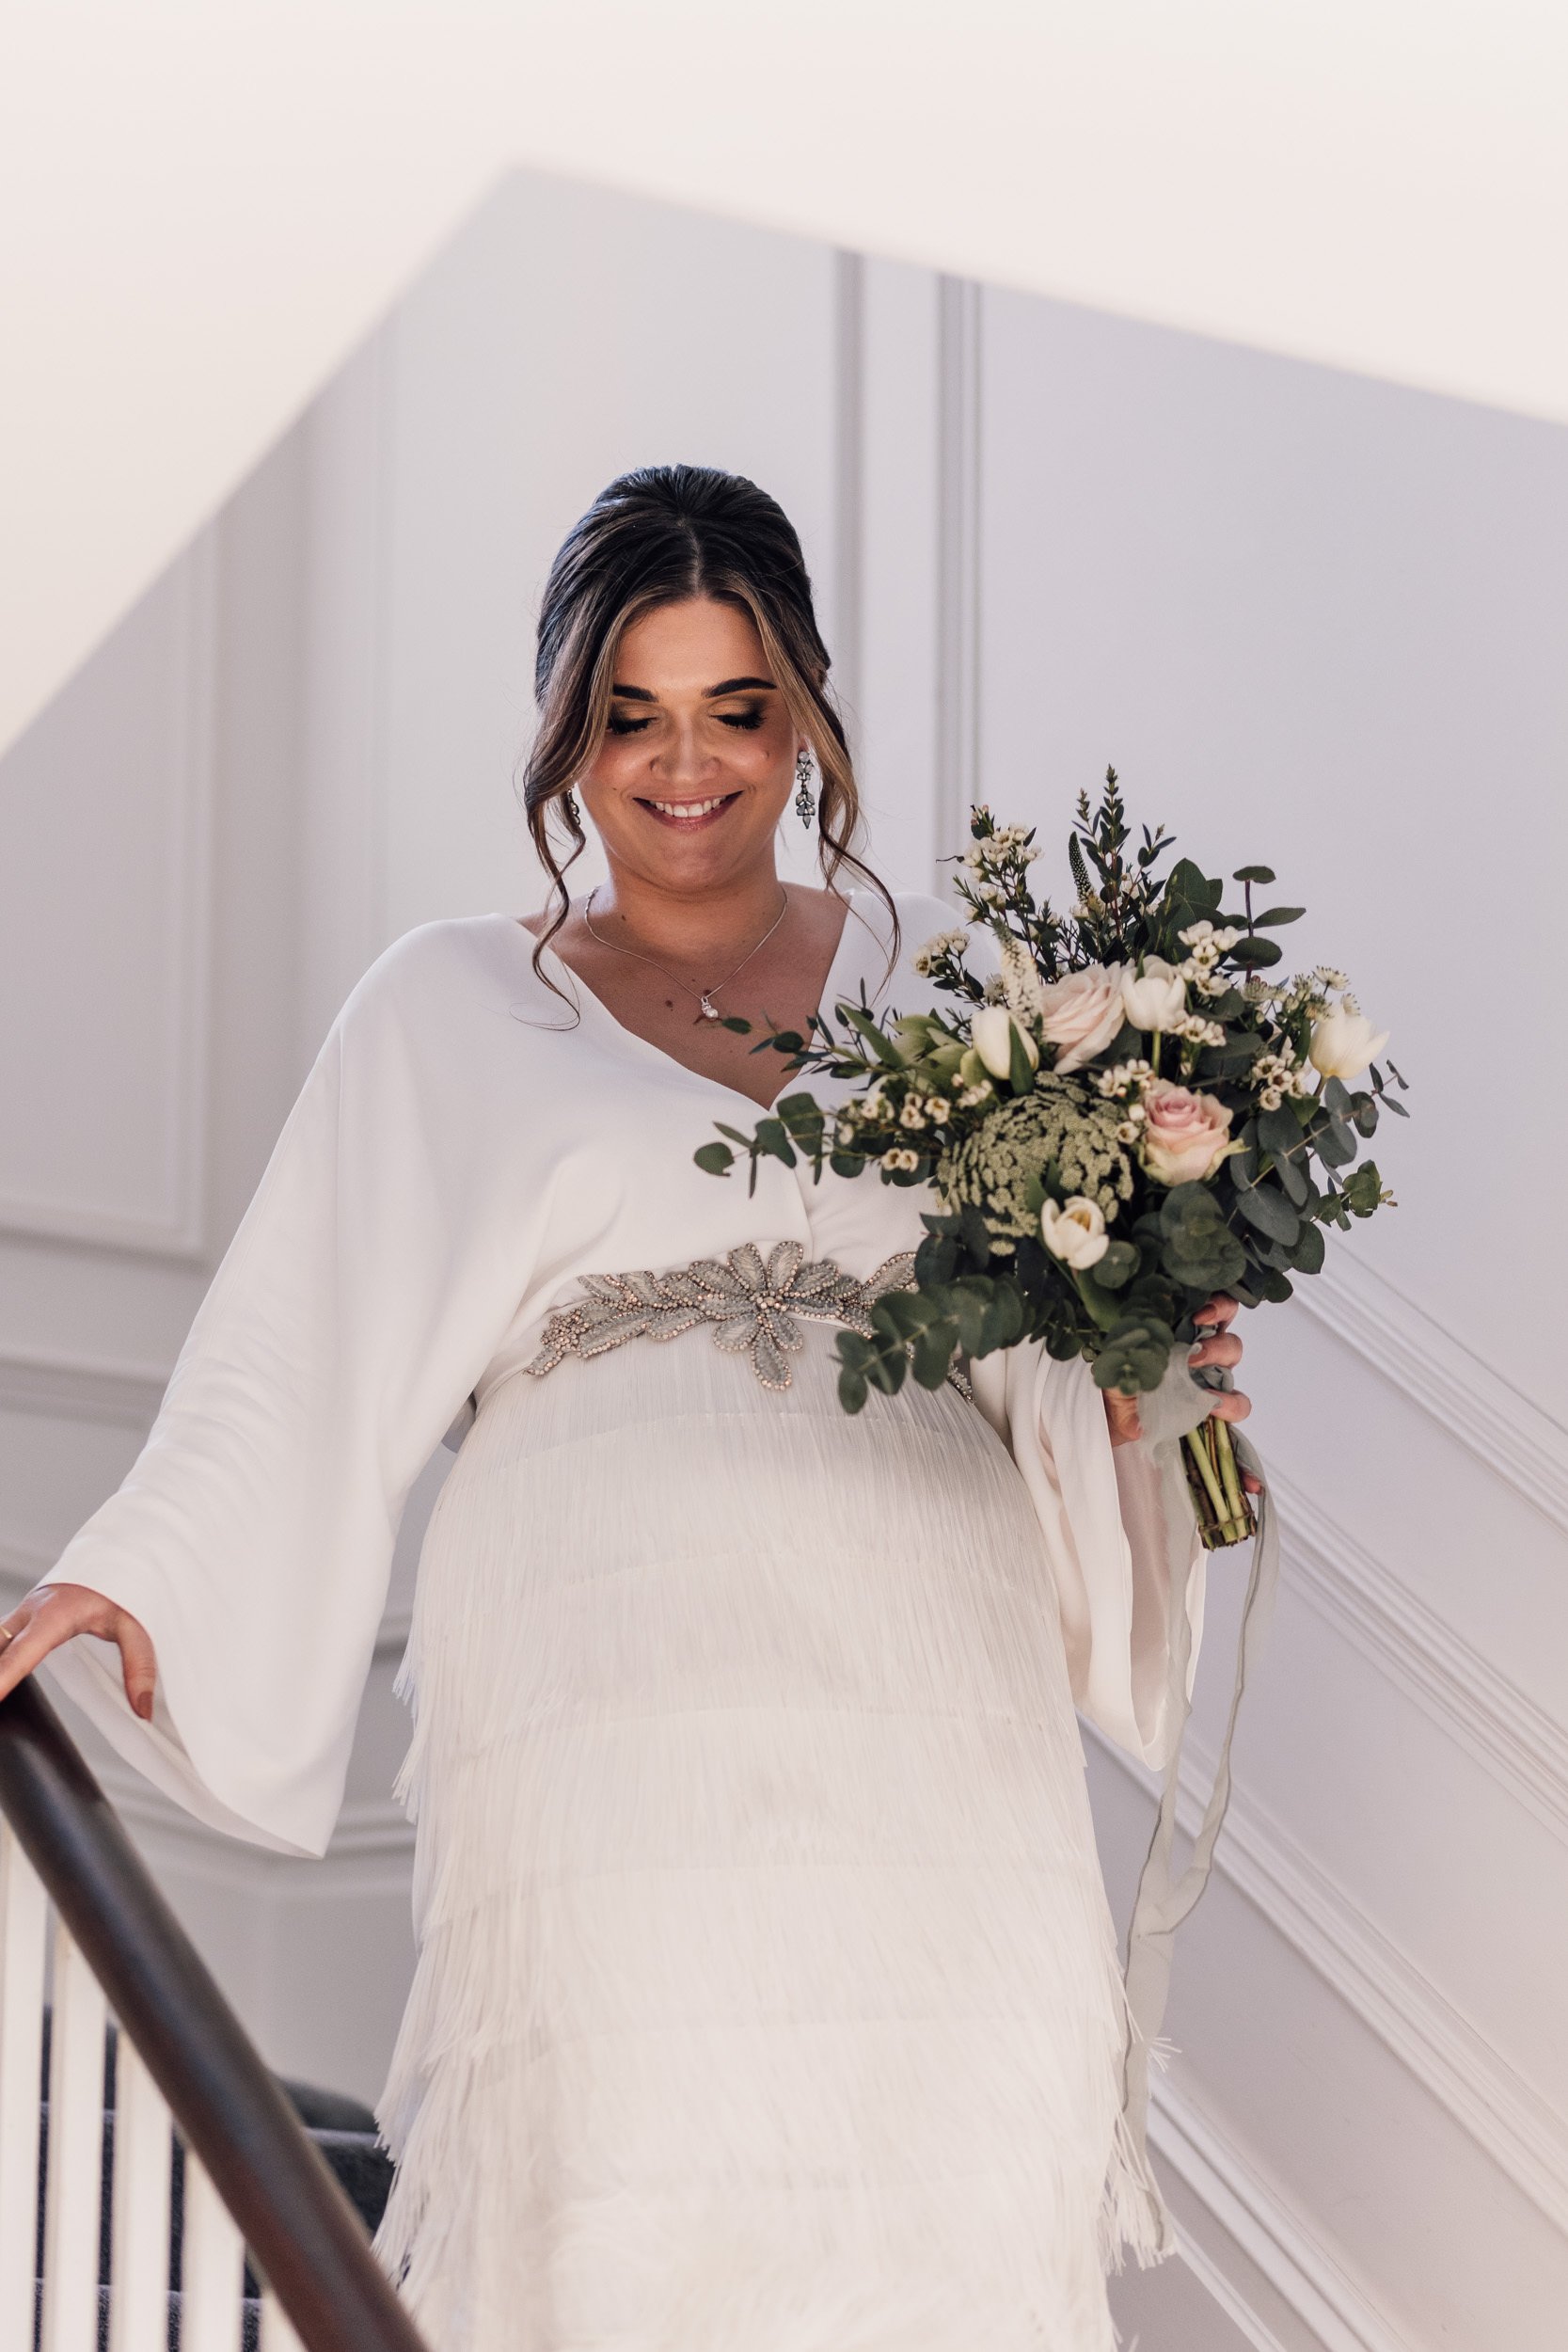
(992, 1030)
(1075, 1231)
(1157, 997)
(1343, 1043)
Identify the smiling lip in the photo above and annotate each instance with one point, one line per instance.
(687, 816)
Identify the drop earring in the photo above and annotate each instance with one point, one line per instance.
(805, 805)
(570, 810)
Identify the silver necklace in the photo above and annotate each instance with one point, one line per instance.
(704, 995)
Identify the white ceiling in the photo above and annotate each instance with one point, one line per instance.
(204, 203)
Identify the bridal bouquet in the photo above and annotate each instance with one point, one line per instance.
(1127, 1114)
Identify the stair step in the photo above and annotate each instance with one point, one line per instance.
(362, 2167)
(250, 2323)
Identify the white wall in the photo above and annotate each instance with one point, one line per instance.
(1311, 621)
(203, 210)
(1318, 622)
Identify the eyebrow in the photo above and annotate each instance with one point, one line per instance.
(726, 685)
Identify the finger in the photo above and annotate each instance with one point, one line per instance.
(1223, 1348)
(1230, 1405)
(139, 1665)
(1122, 1414)
(1219, 1309)
(1253, 1486)
(29, 1642)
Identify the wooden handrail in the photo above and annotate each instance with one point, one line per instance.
(307, 2241)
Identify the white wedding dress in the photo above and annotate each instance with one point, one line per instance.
(768, 1995)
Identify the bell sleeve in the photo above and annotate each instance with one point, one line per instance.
(253, 1535)
(1099, 1508)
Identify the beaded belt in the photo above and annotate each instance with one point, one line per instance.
(754, 1307)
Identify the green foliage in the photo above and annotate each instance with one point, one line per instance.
(916, 1103)
(1134, 1356)
(1198, 1247)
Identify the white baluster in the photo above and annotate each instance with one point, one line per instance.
(23, 1920)
(277, 2329)
(144, 2152)
(73, 2204)
(212, 2268)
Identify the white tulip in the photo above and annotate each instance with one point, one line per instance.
(1075, 1232)
(992, 1030)
(1157, 997)
(1343, 1043)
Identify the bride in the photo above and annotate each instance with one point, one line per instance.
(768, 1995)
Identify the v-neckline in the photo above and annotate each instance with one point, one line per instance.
(702, 1077)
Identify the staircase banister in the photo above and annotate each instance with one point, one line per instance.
(307, 2242)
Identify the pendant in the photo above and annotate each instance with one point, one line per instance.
(710, 1010)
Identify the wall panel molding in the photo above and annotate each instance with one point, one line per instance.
(1520, 1744)
(1452, 2062)
(959, 314)
(849, 395)
(1330, 2304)
(1503, 1428)
(179, 1231)
(78, 1388)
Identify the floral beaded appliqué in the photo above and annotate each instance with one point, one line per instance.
(754, 1306)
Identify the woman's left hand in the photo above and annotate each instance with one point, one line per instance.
(1220, 1346)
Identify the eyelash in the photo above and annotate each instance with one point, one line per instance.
(747, 721)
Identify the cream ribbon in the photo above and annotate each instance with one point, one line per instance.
(1164, 1896)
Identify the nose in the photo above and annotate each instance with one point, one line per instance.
(682, 759)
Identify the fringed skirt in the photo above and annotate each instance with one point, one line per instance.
(768, 1995)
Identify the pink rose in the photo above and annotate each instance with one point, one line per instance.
(1081, 1015)
(1184, 1136)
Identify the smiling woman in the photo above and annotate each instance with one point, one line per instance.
(683, 691)
(685, 790)
(767, 1992)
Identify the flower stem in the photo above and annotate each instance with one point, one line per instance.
(1228, 1472)
(1225, 1515)
(1199, 1454)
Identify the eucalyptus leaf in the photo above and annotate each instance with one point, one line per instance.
(1253, 955)
(933, 1355)
(773, 1139)
(1307, 1255)
(1294, 1178)
(1274, 916)
(714, 1159)
(976, 1234)
(1335, 1144)
(1268, 1210)
(1279, 1132)
(1002, 1322)
(1253, 874)
(1133, 1356)
(1118, 1265)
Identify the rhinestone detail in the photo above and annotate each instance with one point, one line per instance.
(754, 1307)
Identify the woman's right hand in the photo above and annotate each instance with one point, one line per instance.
(51, 1613)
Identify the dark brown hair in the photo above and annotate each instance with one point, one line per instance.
(660, 536)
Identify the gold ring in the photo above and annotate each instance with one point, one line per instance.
(10, 1637)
